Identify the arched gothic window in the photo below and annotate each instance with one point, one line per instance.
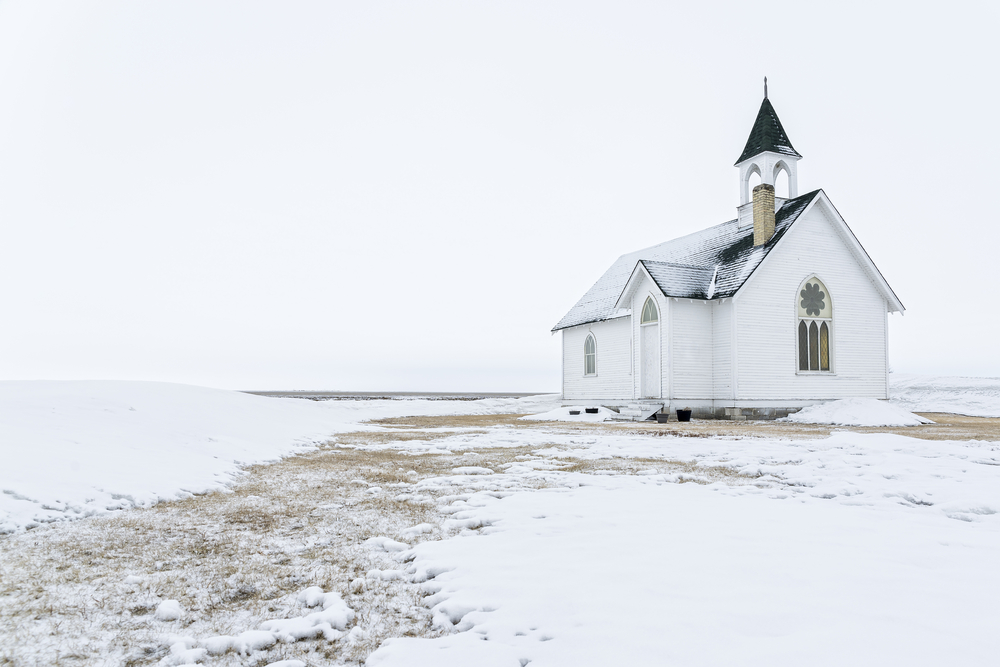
(649, 314)
(590, 356)
(815, 324)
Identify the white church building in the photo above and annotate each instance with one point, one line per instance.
(750, 319)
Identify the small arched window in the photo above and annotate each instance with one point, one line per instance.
(815, 326)
(649, 314)
(590, 356)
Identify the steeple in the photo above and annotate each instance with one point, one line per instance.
(767, 153)
(767, 134)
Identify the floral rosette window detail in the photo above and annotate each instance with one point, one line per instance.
(812, 299)
(815, 325)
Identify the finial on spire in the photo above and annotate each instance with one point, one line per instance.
(765, 87)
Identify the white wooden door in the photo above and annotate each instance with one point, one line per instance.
(650, 334)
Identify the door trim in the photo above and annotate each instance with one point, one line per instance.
(657, 340)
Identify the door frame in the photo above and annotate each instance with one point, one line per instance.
(643, 394)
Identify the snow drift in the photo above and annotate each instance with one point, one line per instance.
(856, 412)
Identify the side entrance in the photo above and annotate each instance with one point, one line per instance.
(649, 350)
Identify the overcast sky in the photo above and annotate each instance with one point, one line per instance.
(409, 195)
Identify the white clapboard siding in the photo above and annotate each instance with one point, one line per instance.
(644, 289)
(766, 315)
(614, 361)
(722, 344)
(691, 329)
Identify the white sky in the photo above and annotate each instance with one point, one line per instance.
(408, 196)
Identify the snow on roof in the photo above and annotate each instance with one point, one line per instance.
(685, 267)
(674, 279)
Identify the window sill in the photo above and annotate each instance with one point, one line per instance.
(814, 373)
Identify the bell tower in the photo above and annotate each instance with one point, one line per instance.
(767, 153)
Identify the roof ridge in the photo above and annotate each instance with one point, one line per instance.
(678, 264)
(678, 238)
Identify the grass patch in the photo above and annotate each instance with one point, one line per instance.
(232, 559)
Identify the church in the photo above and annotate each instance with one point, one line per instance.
(754, 318)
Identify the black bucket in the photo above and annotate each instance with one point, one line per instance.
(683, 415)
(591, 411)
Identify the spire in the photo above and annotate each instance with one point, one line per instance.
(767, 133)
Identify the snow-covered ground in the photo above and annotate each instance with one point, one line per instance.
(75, 449)
(878, 549)
(641, 571)
(533, 542)
(978, 397)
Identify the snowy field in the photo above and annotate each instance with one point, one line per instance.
(961, 395)
(449, 534)
(75, 449)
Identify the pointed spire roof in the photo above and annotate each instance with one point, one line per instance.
(767, 134)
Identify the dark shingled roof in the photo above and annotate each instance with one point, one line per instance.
(684, 267)
(767, 135)
(674, 279)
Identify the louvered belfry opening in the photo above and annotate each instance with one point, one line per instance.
(763, 213)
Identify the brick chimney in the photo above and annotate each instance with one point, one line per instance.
(763, 213)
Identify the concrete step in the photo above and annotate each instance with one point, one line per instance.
(641, 411)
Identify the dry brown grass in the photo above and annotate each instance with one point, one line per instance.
(453, 421)
(947, 427)
(231, 560)
(689, 471)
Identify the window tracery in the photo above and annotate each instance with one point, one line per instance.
(649, 312)
(815, 323)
